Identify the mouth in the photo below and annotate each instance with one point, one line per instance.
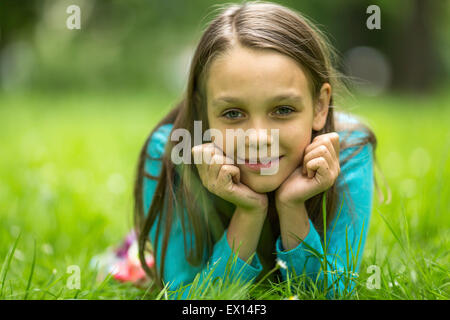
(256, 164)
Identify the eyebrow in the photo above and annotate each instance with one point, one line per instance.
(280, 97)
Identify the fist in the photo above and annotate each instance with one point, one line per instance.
(222, 178)
(318, 172)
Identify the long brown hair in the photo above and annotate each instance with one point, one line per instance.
(258, 25)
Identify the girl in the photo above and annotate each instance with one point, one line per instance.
(258, 66)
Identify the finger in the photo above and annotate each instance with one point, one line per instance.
(208, 150)
(203, 154)
(319, 165)
(330, 140)
(214, 149)
(335, 140)
(314, 150)
(227, 160)
(197, 153)
(229, 178)
(318, 141)
(217, 161)
(229, 174)
(319, 151)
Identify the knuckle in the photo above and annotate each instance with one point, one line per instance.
(323, 149)
(226, 170)
(334, 136)
(334, 176)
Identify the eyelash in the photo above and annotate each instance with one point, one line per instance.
(281, 107)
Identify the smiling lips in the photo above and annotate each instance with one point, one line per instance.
(258, 165)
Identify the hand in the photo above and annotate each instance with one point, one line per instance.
(223, 179)
(319, 171)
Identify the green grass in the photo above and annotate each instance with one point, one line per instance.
(67, 165)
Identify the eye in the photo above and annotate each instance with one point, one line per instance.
(285, 110)
(232, 114)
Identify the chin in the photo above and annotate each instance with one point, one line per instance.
(262, 184)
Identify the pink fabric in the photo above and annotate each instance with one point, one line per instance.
(123, 262)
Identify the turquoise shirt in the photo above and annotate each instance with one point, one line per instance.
(345, 234)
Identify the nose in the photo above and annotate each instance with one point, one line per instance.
(256, 139)
(263, 142)
(259, 138)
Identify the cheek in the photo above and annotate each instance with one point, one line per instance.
(295, 146)
(218, 137)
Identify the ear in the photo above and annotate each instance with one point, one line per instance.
(321, 107)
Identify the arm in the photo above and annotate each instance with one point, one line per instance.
(244, 231)
(178, 272)
(342, 256)
(293, 221)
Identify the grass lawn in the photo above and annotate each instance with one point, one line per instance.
(67, 164)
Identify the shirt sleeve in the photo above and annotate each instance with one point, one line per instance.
(346, 234)
(178, 272)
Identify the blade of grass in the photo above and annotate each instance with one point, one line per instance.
(392, 230)
(7, 263)
(324, 216)
(31, 272)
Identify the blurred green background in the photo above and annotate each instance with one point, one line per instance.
(76, 106)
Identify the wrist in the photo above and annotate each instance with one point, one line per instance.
(294, 225)
(252, 212)
(286, 208)
(244, 231)
(259, 210)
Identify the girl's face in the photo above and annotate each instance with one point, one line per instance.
(263, 89)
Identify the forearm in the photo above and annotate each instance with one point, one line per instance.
(294, 224)
(245, 230)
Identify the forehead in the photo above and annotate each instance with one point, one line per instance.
(255, 74)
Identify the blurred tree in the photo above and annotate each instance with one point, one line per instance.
(417, 62)
(130, 44)
(17, 21)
